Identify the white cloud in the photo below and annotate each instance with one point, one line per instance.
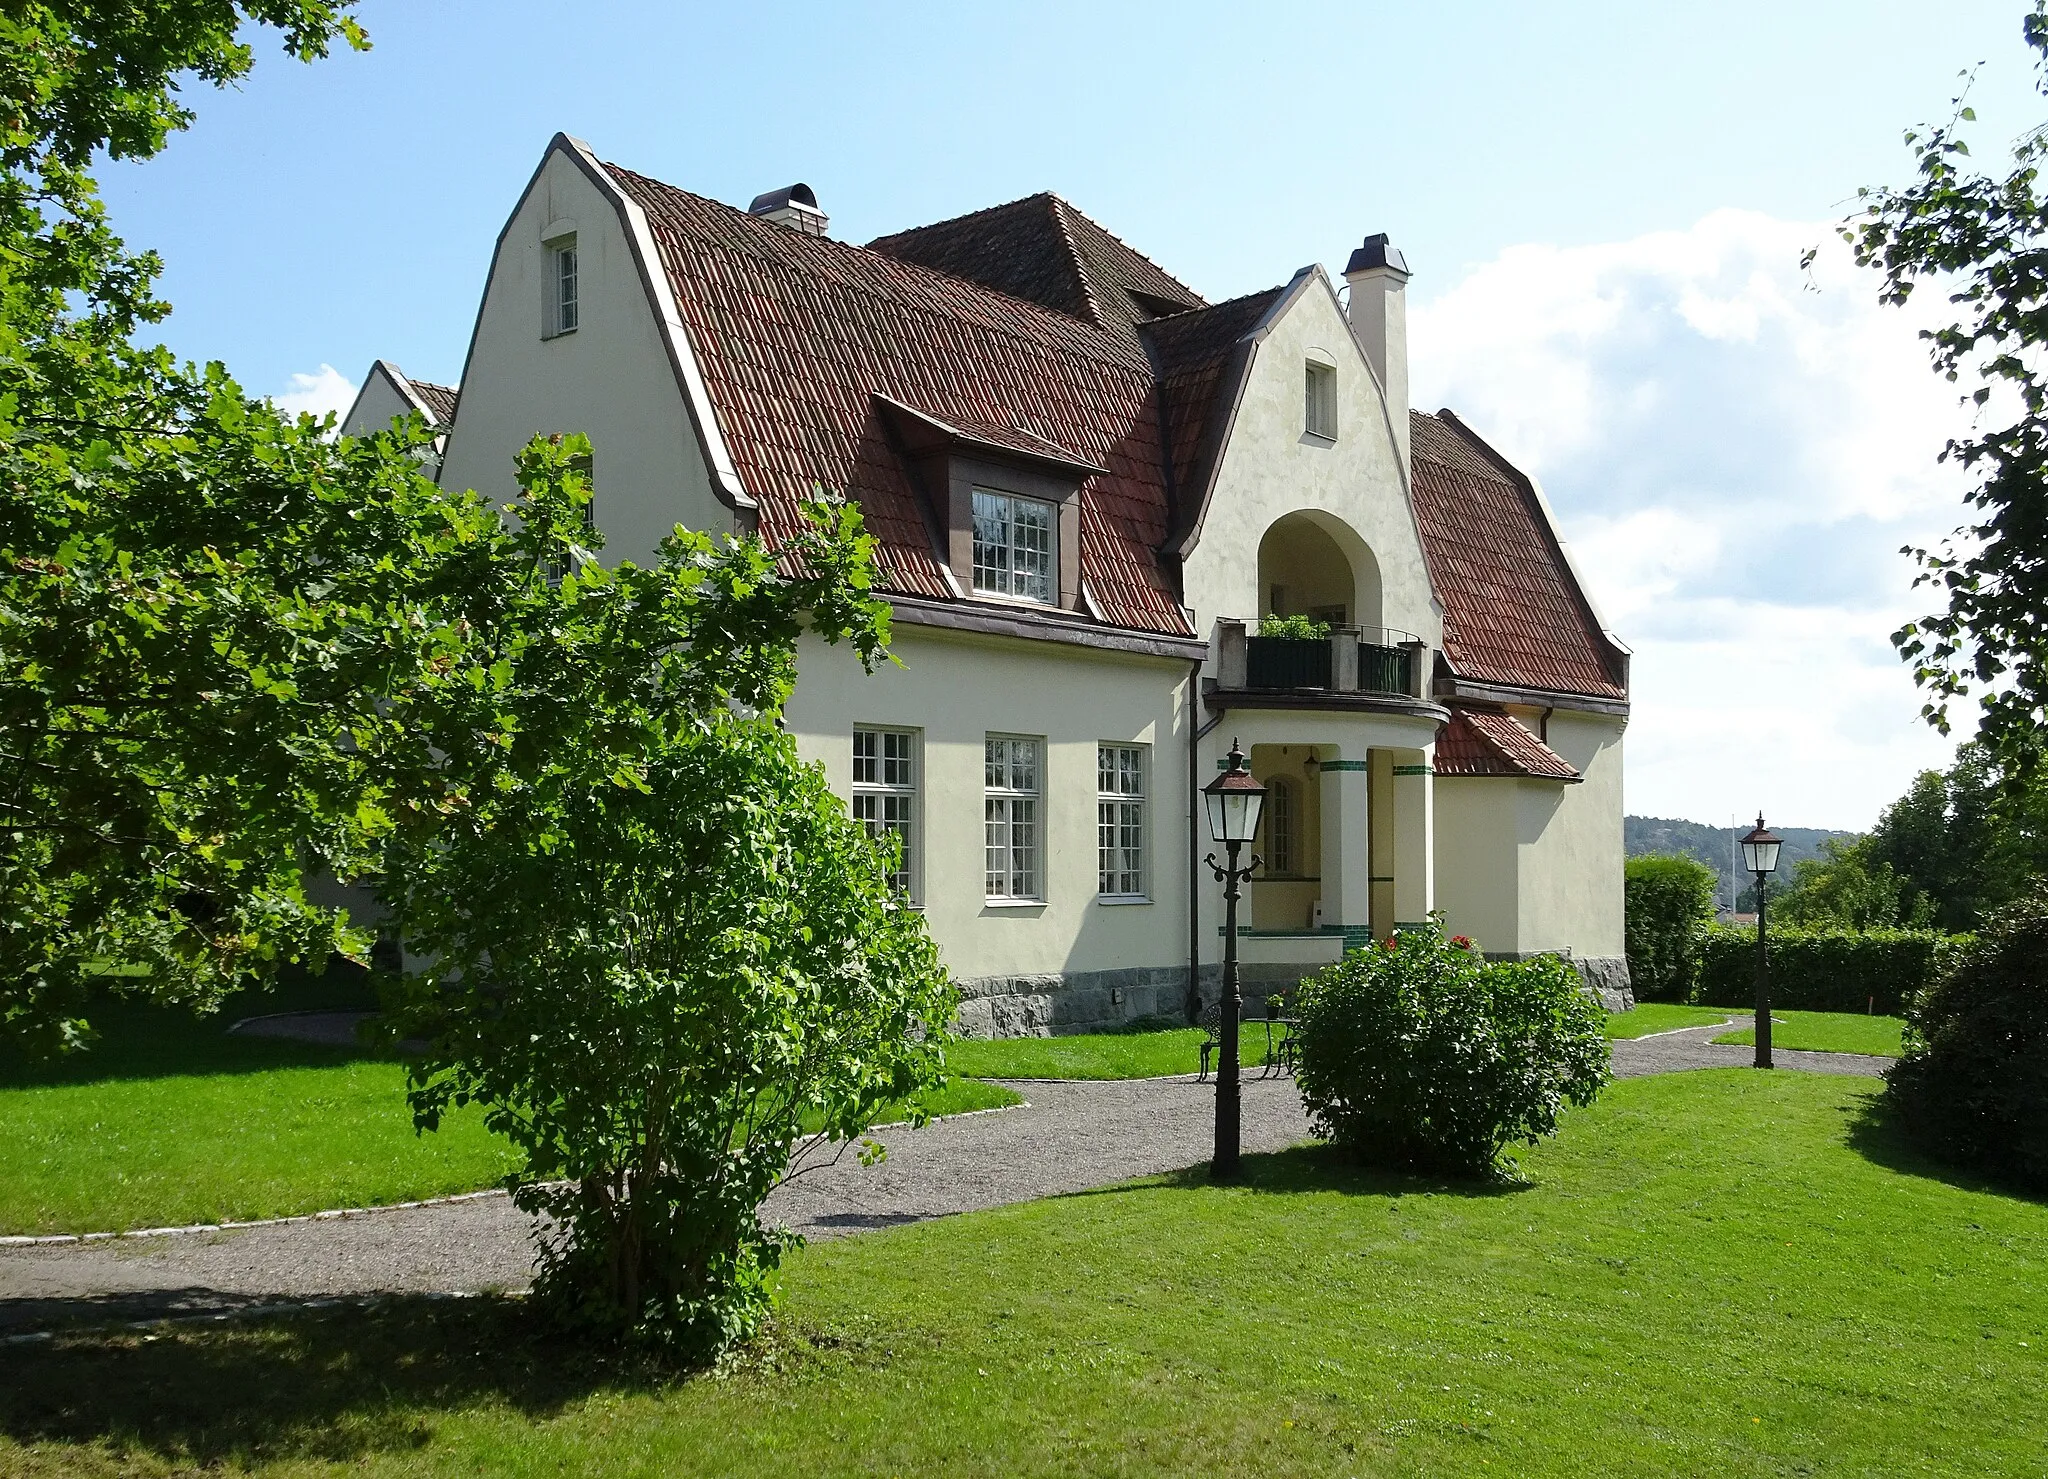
(329, 390)
(1736, 450)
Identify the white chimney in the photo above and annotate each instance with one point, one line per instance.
(1378, 277)
(794, 206)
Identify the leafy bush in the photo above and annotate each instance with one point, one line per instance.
(1419, 1052)
(664, 956)
(1306, 627)
(1973, 1085)
(1669, 902)
(1823, 970)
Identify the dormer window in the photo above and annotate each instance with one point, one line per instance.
(1321, 418)
(1013, 547)
(562, 287)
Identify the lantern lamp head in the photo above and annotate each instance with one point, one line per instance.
(1760, 849)
(1234, 800)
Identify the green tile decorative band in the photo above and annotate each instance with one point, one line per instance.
(1329, 765)
(1414, 770)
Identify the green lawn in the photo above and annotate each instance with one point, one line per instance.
(1827, 1032)
(1721, 1273)
(1657, 1016)
(1158, 1054)
(1095, 1055)
(169, 1120)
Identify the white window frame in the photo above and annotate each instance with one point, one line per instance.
(564, 287)
(1122, 776)
(1319, 410)
(997, 570)
(1013, 801)
(885, 783)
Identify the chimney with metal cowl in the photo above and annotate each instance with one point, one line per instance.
(1377, 276)
(794, 206)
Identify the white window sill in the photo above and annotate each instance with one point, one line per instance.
(1117, 901)
(556, 334)
(1010, 903)
(1318, 439)
(1031, 603)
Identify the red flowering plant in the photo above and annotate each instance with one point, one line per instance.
(1424, 1053)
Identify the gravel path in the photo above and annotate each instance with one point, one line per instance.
(1070, 1136)
(1693, 1047)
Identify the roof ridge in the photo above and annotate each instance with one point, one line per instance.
(1088, 293)
(1112, 354)
(984, 210)
(1167, 318)
(1144, 257)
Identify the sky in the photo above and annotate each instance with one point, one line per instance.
(1604, 206)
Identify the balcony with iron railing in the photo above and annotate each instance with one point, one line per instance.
(1367, 661)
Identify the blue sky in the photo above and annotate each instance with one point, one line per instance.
(1603, 204)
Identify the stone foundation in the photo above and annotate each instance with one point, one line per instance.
(1057, 1003)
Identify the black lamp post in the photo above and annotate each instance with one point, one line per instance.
(1760, 856)
(1234, 800)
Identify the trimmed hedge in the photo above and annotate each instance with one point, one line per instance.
(1973, 1086)
(1669, 902)
(1824, 970)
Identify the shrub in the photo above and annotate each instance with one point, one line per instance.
(1823, 970)
(1669, 902)
(1419, 1052)
(663, 956)
(1293, 626)
(1973, 1085)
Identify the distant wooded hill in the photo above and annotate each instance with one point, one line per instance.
(1711, 845)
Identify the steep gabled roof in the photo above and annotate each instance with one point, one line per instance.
(1042, 249)
(1477, 742)
(1514, 614)
(797, 335)
(438, 401)
(1199, 357)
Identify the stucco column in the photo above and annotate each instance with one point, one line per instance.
(1346, 860)
(1414, 836)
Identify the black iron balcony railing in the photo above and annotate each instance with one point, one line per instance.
(1377, 660)
(1287, 662)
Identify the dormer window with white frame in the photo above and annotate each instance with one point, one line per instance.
(1015, 549)
(564, 304)
(1320, 419)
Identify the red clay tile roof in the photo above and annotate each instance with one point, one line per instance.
(440, 400)
(796, 336)
(1028, 326)
(1513, 613)
(1192, 354)
(1043, 249)
(1476, 742)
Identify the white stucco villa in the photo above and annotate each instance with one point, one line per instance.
(1088, 485)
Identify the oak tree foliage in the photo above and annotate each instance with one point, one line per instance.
(1982, 238)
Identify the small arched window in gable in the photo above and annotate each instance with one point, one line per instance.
(1280, 826)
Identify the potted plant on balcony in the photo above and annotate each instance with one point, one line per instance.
(1289, 652)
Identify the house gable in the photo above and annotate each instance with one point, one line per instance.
(1270, 468)
(624, 376)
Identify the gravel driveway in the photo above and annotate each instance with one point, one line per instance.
(1068, 1137)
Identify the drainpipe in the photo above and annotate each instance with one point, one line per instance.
(1196, 733)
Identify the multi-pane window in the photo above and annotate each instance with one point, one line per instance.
(1321, 418)
(1010, 817)
(562, 295)
(1120, 820)
(885, 795)
(1013, 546)
(1280, 826)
